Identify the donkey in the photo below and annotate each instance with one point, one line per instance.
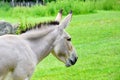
(19, 54)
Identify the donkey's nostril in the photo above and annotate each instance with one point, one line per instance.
(72, 62)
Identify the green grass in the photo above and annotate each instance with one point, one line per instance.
(96, 38)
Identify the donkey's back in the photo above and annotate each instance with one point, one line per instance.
(15, 56)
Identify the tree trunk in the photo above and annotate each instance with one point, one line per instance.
(36, 1)
(13, 3)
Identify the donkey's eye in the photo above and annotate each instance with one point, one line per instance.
(69, 39)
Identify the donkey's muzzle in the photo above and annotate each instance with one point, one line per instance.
(71, 61)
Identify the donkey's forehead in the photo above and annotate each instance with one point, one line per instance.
(66, 34)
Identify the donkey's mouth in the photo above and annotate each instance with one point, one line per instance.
(70, 62)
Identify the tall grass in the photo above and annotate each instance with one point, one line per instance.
(107, 4)
(50, 9)
(4, 6)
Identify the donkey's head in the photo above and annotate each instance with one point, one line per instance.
(63, 48)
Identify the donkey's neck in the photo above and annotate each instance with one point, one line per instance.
(37, 33)
(41, 42)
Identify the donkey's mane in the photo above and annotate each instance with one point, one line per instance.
(39, 25)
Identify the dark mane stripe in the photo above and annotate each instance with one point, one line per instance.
(30, 27)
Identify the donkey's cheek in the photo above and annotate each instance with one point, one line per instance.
(70, 48)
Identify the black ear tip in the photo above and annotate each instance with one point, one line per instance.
(70, 11)
(61, 10)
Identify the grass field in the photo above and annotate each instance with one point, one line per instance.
(97, 41)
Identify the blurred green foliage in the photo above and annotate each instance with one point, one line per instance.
(52, 7)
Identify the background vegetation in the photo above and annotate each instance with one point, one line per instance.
(95, 31)
(51, 9)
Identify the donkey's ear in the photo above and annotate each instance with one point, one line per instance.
(65, 21)
(59, 16)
